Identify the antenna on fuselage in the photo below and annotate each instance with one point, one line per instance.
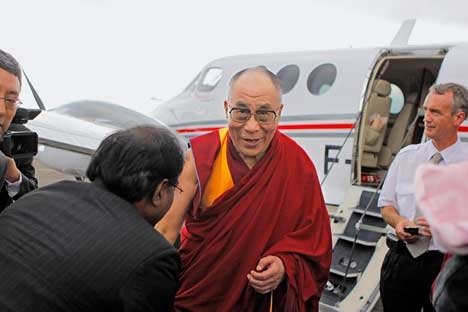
(403, 34)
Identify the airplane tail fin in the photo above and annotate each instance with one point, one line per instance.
(403, 34)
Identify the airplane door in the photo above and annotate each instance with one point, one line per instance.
(321, 115)
(455, 66)
(455, 69)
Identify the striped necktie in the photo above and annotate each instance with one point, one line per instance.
(422, 244)
(436, 158)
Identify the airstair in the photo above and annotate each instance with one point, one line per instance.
(358, 252)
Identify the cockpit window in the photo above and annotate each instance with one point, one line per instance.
(210, 79)
(193, 84)
(321, 79)
(288, 76)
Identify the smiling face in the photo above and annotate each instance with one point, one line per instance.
(440, 124)
(253, 91)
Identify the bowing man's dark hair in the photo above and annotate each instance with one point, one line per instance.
(131, 163)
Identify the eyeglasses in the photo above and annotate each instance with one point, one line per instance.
(175, 185)
(243, 115)
(11, 103)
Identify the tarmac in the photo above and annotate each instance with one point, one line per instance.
(47, 176)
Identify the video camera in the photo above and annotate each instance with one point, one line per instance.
(19, 141)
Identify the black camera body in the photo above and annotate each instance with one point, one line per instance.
(19, 142)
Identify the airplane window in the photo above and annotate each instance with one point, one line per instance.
(321, 79)
(288, 76)
(324, 88)
(398, 99)
(210, 79)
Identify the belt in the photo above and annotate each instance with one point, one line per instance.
(399, 247)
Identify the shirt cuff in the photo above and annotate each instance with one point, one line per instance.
(14, 187)
(386, 202)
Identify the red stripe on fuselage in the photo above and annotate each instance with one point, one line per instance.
(281, 127)
(317, 126)
(296, 127)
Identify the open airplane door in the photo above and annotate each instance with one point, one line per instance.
(454, 69)
(455, 66)
(357, 226)
(321, 110)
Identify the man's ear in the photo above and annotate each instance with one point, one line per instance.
(226, 109)
(460, 118)
(158, 193)
(280, 110)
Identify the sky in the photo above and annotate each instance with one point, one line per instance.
(130, 52)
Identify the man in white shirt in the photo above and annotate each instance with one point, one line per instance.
(406, 277)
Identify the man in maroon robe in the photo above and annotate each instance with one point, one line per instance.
(257, 233)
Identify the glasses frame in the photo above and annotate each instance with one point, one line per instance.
(7, 101)
(253, 114)
(175, 186)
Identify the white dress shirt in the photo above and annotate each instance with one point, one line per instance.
(398, 188)
(14, 187)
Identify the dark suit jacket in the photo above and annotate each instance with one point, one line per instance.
(29, 181)
(450, 292)
(74, 246)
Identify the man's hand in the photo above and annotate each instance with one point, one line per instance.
(400, 231)
(267, 275)
(424, 228)
(12, 174)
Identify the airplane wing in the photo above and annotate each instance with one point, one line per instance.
(69, 134)
(66, 143)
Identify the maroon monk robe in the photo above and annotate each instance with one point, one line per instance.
(277, 208)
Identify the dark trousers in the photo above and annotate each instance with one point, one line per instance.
(405, 282)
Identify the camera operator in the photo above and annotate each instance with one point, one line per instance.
(16, 175)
